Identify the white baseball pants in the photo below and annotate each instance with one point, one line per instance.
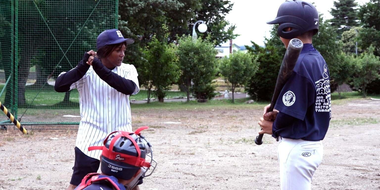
(299, 159)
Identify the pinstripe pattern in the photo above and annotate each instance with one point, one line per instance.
(103, 109)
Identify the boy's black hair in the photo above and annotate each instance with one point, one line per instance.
(108, 49)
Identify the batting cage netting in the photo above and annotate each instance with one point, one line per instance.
(39, 39)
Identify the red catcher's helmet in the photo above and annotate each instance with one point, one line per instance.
(124, 154)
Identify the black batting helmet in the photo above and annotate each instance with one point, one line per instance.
(123, 154)
(298, 15)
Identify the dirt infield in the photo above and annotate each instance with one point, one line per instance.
(207, 148)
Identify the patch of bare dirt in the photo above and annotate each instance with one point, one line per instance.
(206, 149)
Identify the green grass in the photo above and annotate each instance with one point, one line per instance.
(352, 95)
(347, 96)
(355, 121)
(211, 104)
(49, 103)
(47, 97)
(143, 95)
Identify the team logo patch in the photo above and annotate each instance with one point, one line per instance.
(114, 169)
(118, 157)
(316, 21)
(119, 34)
(306, 154)
(289, 98)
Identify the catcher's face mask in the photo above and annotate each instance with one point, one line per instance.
(125, 154)
(144, 171)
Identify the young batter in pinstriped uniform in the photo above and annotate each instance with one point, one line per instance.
(104, 84)
(303, 110)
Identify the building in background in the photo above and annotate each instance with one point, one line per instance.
(228, 48)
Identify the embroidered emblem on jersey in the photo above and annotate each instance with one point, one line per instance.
(289, 98)
(323, 99)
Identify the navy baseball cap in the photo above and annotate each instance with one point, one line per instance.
(110, 37)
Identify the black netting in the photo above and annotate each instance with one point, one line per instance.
(42, 38)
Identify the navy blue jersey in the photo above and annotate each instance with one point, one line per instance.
(305, 100)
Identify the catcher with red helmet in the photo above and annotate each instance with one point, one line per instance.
(126, 159)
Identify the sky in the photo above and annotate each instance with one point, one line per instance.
(251, 16)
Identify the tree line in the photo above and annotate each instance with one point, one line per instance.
(349, 42)
(164, 52)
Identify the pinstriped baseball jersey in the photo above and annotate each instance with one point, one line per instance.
(103, 109)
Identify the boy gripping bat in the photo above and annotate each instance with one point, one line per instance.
(105, 85)
(302, 112)
(290, 59)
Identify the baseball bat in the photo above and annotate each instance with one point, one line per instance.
(289, 61)
(12, 118)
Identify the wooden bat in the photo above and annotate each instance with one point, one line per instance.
(289, 61)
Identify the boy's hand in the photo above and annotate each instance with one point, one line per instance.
(92, 54)
(269, 116)
(266, 126)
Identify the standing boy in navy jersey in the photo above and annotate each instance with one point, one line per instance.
(104, 84)
(303, 110)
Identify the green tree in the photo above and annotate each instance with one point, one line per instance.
(238, 69)
(214, 13)
(342, 70)
(198, 66)
(71, 35)
(369, 15)
(5, 31)
(369, 37)
(181, 20)
(325, 42)
(144, 18)
(160, 70)
(46, 30)
(261, 85)
(366, 70)
(350, 40)
(29, 21)
(344, 14)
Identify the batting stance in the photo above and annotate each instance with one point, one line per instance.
(104, 84)
(303, 110)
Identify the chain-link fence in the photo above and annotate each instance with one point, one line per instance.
(41, 38)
